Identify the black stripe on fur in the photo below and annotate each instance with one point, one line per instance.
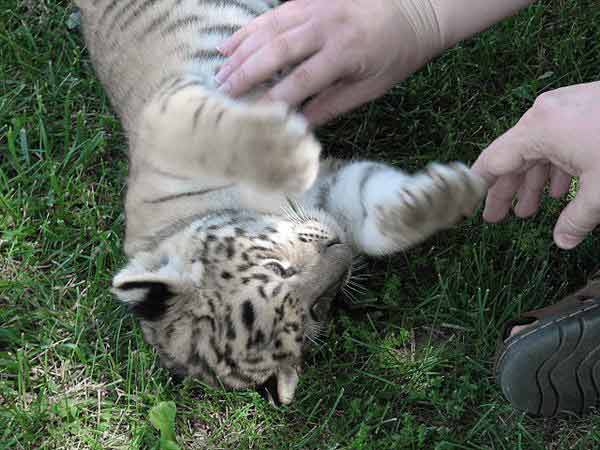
(154, 305)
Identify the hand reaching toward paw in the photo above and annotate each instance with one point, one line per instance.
(558, 138)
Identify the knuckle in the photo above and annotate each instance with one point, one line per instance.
(233, 62)
(354, 30)
(545, 109)
(302, 76)
(316, 29)
(357, 67)
(249, 29)
(546, 103)
(282, 46)
(341, 16)
(239, 78)
(357, 35)
(274, 23)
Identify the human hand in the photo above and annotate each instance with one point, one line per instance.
(558, 138)
(347, 52)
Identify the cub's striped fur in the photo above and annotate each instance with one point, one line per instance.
(237, 235)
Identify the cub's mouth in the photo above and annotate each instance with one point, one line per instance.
(279, 388)
(268, 391)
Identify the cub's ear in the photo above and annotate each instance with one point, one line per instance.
(146, 299)
(146, 292)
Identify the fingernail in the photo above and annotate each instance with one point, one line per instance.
(567, 241)
(225, 88)
(222, 48)
(222, 74)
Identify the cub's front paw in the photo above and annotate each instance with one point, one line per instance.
(278, 151)
(429, 202)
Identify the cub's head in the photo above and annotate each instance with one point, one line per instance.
(233, 300)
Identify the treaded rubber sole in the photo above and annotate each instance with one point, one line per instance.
(554, 367)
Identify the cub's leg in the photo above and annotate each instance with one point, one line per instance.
(386, 210)
(190, 131)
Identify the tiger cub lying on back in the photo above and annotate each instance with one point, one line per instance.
(230, 281)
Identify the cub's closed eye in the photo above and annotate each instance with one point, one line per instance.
(333, 242)
(280, 270)
(275, 267)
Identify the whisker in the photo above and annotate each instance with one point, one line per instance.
(312, 341)
(315, 341)
(358, 266)
(315, 331)
(358, 290)
(359, 262)
(355, 289)
(349, 295)
(361, 276)
(291, 214)
(320, 329)
(354, 283)
(315, 327)
(322, 333)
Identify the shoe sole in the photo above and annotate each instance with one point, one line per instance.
(554, 367)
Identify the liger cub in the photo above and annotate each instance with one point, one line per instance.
(237, 234)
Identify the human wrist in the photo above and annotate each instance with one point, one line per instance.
(421, 17)
(461, 19)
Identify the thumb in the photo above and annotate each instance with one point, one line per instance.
(512, 153)
(580, 216)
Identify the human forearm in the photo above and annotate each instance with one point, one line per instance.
(432, 26)
(346, 53)
(460, 19)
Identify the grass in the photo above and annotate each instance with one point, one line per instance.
(409, 365)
